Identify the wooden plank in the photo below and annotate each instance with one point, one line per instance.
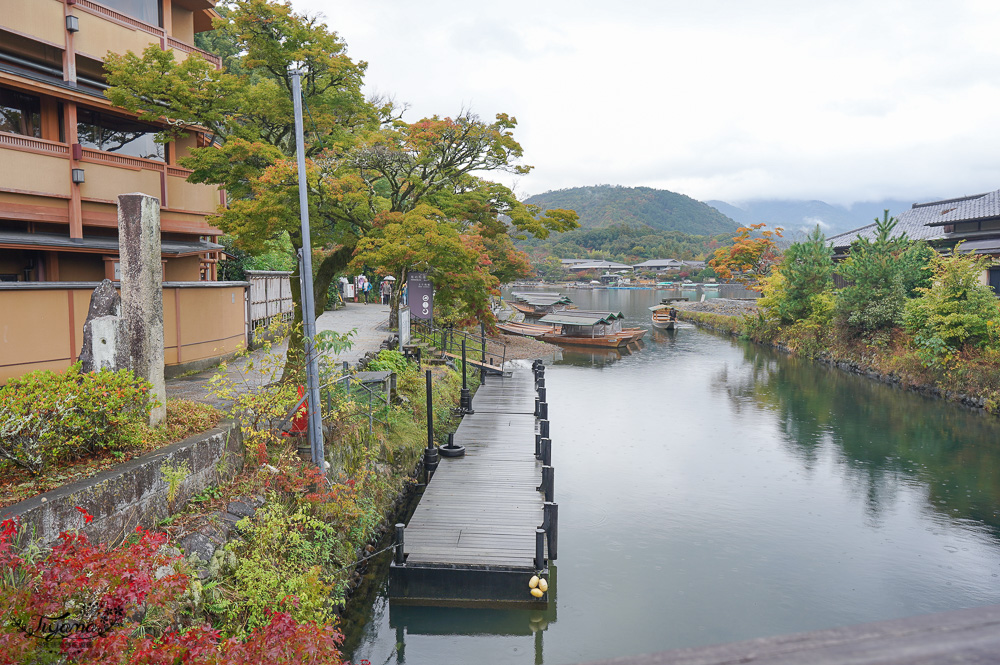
(482, 509)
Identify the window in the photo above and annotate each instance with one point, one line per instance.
(111, 133)
(147, 11)
(20, 113)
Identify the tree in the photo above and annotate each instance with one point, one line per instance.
(362, 159)
(806, 272)
(749, 258)
(422, 239)
(956, 312)
(883, 274)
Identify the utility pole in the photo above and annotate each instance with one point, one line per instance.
(306, 284)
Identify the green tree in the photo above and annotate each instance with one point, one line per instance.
(956, 312)
(807, 270)
(882, 273)
(422, 239)
(362, 159)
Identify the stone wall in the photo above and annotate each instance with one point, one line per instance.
(133, 493)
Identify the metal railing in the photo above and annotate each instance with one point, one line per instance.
(449, 340)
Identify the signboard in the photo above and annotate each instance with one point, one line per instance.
(420, 295)
(404, 326)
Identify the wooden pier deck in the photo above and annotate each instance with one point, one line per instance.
(472, 537)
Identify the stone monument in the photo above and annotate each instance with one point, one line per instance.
(142, 293)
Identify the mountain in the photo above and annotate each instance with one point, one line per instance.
(802, 216)
(603, 205)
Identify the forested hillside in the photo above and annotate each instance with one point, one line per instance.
(605, 205)
(625, 243)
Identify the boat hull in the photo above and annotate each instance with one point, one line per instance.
(605, 341)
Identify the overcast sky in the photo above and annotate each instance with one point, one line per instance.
(842, 101)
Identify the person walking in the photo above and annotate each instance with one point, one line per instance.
(386, 291)
(368, 291)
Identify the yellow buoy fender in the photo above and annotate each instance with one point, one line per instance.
(537, 593)
(533, 582)
(543, 584)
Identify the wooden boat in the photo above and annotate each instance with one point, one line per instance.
(664, 317)
(526, 329)
(586, 328)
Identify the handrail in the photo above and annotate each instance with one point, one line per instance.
(449, 340)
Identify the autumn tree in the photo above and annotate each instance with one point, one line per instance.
(361, 158)
(750, 257)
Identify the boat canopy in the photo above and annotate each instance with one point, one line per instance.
(610, 316)
(573, 319)
(657, 308)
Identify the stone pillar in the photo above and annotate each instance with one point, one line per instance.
(142, 293)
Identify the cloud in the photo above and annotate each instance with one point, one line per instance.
(718, 99)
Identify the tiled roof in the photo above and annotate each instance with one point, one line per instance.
(924, 220)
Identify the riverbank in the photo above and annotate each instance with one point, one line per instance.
(968, 381)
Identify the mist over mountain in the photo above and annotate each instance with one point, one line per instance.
(802, 216)
(606, 205)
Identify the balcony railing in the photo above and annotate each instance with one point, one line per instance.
(20, 142)
(165, 40)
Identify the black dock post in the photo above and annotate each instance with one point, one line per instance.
(552, 528)
(465, 402)
(543, 410)
(540, 549)
(541, 394)
(431, 457)
(546, 451)
(536, 406)
(398, 557)
(548, 481)
(482, 361)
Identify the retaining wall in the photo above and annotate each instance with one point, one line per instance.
(133, 493)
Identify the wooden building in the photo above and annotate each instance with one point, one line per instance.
(66, 153)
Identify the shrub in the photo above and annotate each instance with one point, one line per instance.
(956, 312)
(884, 274)
(46, 417)
(84, 603)
(390, 360)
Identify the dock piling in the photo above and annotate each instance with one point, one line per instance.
(551, 525)
(543, 410)
(398, 556)
(540, 549)
(546, 452)
(548, 480)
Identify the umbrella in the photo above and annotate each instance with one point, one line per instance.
(389, 278)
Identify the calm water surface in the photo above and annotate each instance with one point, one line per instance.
(713, 491)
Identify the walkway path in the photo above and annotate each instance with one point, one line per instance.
(371, 326)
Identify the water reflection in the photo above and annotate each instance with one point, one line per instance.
(712, 491)
(885, 439)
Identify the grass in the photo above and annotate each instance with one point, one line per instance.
(184, 418)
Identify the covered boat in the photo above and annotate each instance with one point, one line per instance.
(587, 329)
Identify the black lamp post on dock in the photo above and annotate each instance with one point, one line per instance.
(431, 457)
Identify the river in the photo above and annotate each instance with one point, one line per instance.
(711, 490)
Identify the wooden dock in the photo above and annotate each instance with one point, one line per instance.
(472, 538)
